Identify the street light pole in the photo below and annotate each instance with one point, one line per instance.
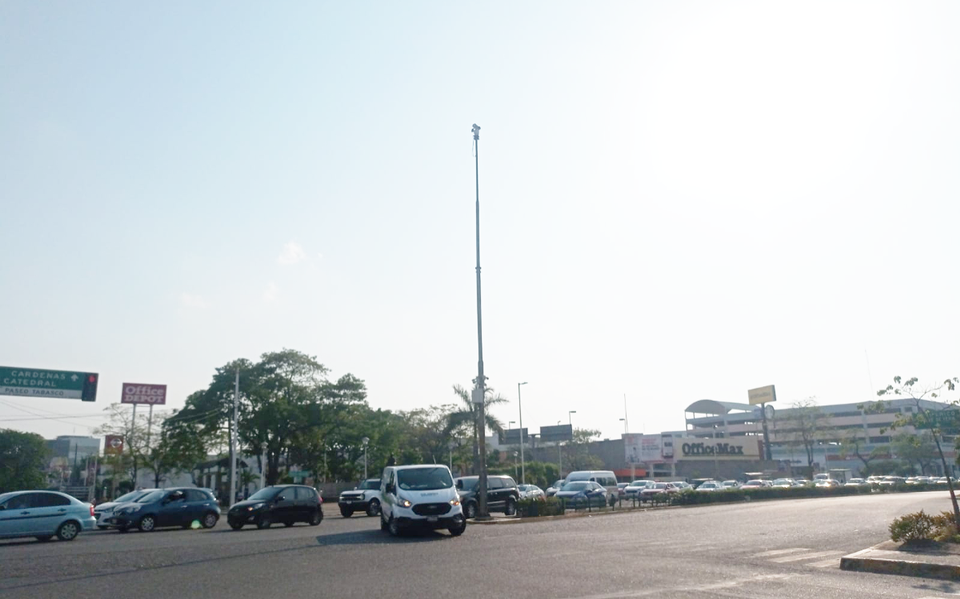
(263, 463)
(479, 390)
(365, 441)
(523, 472)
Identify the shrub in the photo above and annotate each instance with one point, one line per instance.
(945, 528)
(533, 508)
(912, 527)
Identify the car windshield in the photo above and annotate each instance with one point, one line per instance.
(467, 484)
(150, 497)
(755, 483)
(373, 483)
(131, 496)
(576, 486)
(424, 479)
(264, 494)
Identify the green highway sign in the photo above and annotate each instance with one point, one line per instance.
(36, 382)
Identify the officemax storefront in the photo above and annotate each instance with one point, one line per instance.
(674, 455)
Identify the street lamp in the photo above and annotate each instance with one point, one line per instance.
(523, 472)
(263, 463)
(365, 441)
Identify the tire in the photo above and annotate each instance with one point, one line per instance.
(147, 524)
(264, 522)
(209, 520)
(44, 538)
(236, 525)
(373, 508)
(316, 518)
(68, 531)
(510, 508)
(345, 512)
(383, 523)
(457, 530)
(394, 527)
(470, 511)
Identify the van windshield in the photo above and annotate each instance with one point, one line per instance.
(424, 479)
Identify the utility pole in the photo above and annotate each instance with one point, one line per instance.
(233, 440)
(479, 390)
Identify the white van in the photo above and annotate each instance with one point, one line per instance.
(420, 496)
(606, 478)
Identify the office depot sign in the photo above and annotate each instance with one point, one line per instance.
(145, 394)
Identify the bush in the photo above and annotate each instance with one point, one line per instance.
(912, 527)
(945, 528)
(534, 508)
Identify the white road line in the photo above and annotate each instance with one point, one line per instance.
(797, 558)
(779, 552)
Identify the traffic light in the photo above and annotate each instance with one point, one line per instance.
(89, 387)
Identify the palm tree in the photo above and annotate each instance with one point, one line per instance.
(468, 416)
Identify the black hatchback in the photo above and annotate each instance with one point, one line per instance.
(288, 504)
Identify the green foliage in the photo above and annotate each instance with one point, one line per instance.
(22, 460)
(535, 508)
(804, 427)
(912, 527)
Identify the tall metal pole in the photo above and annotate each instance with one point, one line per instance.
(480, 388)
(263, 463)
(523, 472)
(626, 425)
(766, 434)
(233, 440)
(133, 454)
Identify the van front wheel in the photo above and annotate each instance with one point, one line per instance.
(458, 527)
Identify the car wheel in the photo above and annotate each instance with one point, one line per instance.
(470, 510)
(44, 538)
(209, 520)
(383, 522)
(510, 509)
(394, 527)
(68, 531)
(264, 522)
(458, 528)
(147, 524)
(346, 513)
(316, 518)
(236, 525)
(373, 508)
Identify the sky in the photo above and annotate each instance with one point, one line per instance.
(679, 201)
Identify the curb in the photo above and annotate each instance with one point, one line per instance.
(532, 519)
(859, 562)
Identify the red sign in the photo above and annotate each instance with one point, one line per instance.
(148, 394)
(113, 445)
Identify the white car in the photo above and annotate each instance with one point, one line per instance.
(530, 492)
(421, 496)
(710, 485)
(856, 482)
(632, 491)
(365, 497)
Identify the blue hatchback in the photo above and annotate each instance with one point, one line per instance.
(44, 514)
(184, 506)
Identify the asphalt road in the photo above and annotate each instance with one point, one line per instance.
(782, 549)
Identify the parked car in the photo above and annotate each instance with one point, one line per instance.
(502, 494)
(621, 489)
(710, 485)
(605, 478)
(420, 496)
(889, 481)
(657, 490)
(827, 483)
(44, 515)
(179, 506)
(530, 492)
(682, 485)
(104, 510)
(365, 497)
(552, 489)
(730, 484)
(633, 489)
(756, 484)
(784, 483)
(856, 482)
(286, 504)
(583, 493)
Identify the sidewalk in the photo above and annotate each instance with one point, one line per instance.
(929, 560)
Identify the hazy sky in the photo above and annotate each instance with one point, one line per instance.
(679, 200)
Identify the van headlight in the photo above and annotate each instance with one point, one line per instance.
(403, 502)
(455, 501)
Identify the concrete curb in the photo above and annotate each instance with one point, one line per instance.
(581, 514)
(861, 562)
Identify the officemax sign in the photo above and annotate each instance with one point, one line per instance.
(718, 449)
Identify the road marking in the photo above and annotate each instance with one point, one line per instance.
(797, 558)
(779, 552)
(833, 562)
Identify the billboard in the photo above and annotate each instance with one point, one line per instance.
(113, 445)
(555, 434)
(648, 449)
(144, 394)
(725, 448)
(762, 395)
(511, 436)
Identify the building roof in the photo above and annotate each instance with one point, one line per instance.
(717, 408)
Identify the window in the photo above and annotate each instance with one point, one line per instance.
(49, 500)
(20, 502)
(196, 495)
(885, 439)
(306, 494)
(494, 483)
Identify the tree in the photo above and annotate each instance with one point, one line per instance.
(23, 457)
(578, 451)
(804, 426)
(852, 443)
(923, 418)
(120, 421)
(919, 449)
(466, 420)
